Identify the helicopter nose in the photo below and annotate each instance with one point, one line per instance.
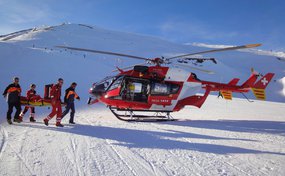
(95, 91)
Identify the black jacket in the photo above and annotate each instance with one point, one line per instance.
(13, 92)
(70, 95)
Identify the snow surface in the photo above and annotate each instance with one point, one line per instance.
(283, 83)
(222, 138)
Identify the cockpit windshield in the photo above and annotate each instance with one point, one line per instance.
(105, 83)
(103, 86)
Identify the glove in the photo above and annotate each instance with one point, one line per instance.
(78, 98)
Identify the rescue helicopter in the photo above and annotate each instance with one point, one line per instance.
(158, 90)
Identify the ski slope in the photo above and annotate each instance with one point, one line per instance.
(224, 138)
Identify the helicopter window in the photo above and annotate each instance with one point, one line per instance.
(138, 87)
(174, 88)
(106, 82)
(135, 89)
(116, 84)
(159, 88)
(164, 89)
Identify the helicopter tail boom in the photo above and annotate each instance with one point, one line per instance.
(226, 90)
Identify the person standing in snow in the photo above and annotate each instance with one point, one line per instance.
(69, 97)
(55, 95)
(220, 94)
(12, 93)
(31, 96)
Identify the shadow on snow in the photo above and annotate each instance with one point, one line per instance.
(248, 126)
(133, 138)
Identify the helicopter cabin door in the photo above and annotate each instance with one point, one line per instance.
(135, 89)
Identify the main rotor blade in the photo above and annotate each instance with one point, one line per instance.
(219, 50)
(103, 52)
(195, 68)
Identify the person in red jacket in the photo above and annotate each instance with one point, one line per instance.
(55, 103)
(31, 96)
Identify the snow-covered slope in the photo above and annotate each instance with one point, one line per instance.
(223, 138)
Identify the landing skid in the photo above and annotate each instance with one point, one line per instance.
(128, 115)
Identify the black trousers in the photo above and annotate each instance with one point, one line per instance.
(11, 105)
(67, 108)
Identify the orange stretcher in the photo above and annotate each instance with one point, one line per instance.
(35, 102)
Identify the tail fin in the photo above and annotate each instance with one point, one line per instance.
(259, 87)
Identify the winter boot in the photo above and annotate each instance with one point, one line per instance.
(58, 124)
(32, 119)
(71, 122)
(9, 121)
(20, 118)
(46, 122)
(17, 120)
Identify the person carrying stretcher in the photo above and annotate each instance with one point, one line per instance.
(12, 93)
(32, 97)
(69, 97)
(55, 95)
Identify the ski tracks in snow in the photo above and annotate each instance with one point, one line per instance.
(74, 152)
(206, 163)
(4, 140)
(23, 164)
(134, 161)
(121, 156)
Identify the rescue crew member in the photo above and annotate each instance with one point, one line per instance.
(55, 95)
(69, 97)
(31, 96)
(12, 93)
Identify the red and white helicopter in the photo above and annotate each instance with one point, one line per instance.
(162, 90)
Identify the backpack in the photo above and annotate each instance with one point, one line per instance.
(48, 88)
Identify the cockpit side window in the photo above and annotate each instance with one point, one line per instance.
(116, 84)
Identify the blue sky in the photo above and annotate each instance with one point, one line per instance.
(232, 22)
